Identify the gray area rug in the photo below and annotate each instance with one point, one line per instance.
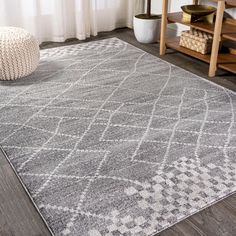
(110, 140)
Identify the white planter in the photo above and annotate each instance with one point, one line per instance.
(147, 30)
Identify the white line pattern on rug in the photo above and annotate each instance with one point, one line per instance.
(101, 110)
(173, 132)
(151, 118)
(67, 230)
(201, 130)
(230, 128)
(77, 143)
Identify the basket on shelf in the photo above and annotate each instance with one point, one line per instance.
(196, 40)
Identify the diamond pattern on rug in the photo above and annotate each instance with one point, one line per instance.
(110, 140)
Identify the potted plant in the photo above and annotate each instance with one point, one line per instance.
(147, 26)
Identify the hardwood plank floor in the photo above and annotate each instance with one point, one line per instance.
(19, 217)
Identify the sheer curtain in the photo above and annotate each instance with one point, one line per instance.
(57, 20)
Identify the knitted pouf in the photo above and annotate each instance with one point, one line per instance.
(19, 53)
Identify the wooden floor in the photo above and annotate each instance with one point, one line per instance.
(19, 217)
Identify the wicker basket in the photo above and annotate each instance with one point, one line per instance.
(196, 40)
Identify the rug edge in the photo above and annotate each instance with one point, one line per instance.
(26, 190)
(198, 76)
(154, 234)
(81, 42)
(196, 212)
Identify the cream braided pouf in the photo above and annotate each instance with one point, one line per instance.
(19, 53)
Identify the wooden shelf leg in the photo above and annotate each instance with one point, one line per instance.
(217, 38)
(164, 22)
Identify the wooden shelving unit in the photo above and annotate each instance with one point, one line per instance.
(230, 36)
(227, 28)
(222, 57)
(222, 29)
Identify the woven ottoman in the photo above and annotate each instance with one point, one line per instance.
(19, 53)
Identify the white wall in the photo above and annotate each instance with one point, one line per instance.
(175, 5)
(232, 11)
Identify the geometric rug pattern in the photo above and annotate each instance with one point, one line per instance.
(110, 140)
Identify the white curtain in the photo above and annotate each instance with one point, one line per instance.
(58, 20)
